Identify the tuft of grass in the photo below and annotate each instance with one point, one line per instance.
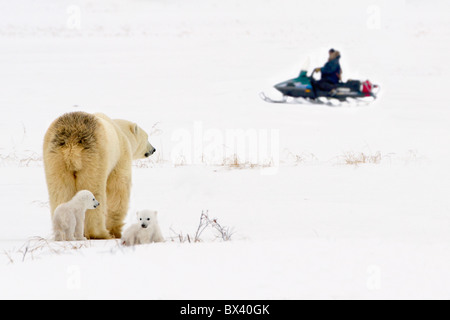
(222, 232)
(234, 162)
(355, 159)
(180, 162)
(302, 158)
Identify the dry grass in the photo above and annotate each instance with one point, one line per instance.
(359, 158)
(355, 159)
(30, 159)
(180, 161)
(37, 246)
(222, 232)
(234, 162)
(413, 156)
(302, 158)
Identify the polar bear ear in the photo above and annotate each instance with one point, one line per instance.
(134, 128)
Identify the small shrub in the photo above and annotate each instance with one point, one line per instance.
(222, 232)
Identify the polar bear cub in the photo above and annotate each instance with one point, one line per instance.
(146, 230)
(68, 218)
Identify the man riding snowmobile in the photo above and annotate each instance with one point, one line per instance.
(330, 87)
(331, 72)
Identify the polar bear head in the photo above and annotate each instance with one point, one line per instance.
(87, 199)
(146, 218)
(143, 148)
(138, 139)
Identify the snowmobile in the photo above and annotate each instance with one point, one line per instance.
(305, 88)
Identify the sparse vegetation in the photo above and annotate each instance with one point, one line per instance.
(355, 159)
(221, 232)
(29, 159)
(35, 246)
(33, 159)
(181, 161)
(301, 158)
(234, 162)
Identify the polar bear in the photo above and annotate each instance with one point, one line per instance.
(146, 230)
(68, 218)
(85, 151)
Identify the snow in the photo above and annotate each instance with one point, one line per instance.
(311, 226)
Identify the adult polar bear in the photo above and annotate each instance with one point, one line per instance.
(92, 152)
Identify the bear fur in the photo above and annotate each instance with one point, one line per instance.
(85, 151)
(68, 219)
(146, 230)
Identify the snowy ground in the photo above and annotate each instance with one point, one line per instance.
(314, 226)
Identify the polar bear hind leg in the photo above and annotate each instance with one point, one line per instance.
(95, 220)
(118, 193)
